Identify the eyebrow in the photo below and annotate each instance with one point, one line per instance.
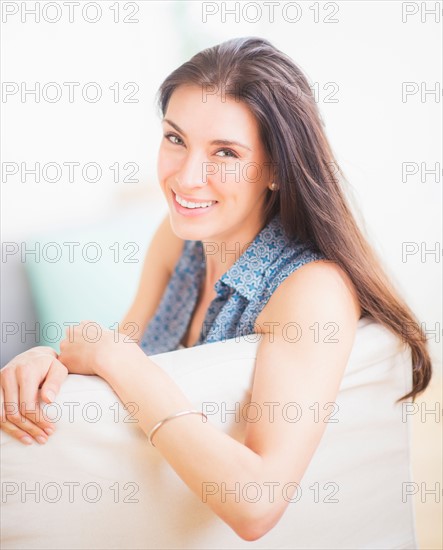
(213, 142)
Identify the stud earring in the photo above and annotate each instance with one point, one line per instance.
(273, 186)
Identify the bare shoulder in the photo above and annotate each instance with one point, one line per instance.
(318, 289)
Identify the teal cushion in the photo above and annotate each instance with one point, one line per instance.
(94, 280)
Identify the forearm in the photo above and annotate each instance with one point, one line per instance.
(200, 453)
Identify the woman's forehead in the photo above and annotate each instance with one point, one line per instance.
(193, 111)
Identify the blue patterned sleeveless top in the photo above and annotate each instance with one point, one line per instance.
(242, 292)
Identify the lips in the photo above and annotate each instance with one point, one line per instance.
(191, 212)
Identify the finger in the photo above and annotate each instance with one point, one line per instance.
(16, 433)
(57, 374)
(2, 406)
(10, 395)
(10, 428)
(28, 382)
(24, 430)
(12, 410)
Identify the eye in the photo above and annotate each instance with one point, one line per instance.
(171, 137)
(230, 153)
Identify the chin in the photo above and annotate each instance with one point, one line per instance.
(184, 230)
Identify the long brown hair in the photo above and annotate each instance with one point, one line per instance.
(311, 202)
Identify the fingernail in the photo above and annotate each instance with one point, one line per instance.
(49, 431)
(51, 395)
(41, 439)
(26, 440)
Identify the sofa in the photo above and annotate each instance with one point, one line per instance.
(98, 483)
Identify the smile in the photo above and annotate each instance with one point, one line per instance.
(191, 205)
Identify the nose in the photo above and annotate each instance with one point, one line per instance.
(193, 173)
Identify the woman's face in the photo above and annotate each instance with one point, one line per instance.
(211, 151)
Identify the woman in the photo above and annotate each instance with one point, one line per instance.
(259, 238)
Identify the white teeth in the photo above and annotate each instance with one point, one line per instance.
(188, 204)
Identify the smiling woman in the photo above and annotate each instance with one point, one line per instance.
(258, 239)
(217, 157)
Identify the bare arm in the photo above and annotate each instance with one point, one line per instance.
(275, 451)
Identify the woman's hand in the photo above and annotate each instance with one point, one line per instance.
(88, 348)
(20, 413)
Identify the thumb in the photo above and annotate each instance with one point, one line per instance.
(57, 374)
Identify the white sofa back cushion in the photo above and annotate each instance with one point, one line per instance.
(99, 484)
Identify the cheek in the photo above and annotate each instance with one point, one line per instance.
(167, 163)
